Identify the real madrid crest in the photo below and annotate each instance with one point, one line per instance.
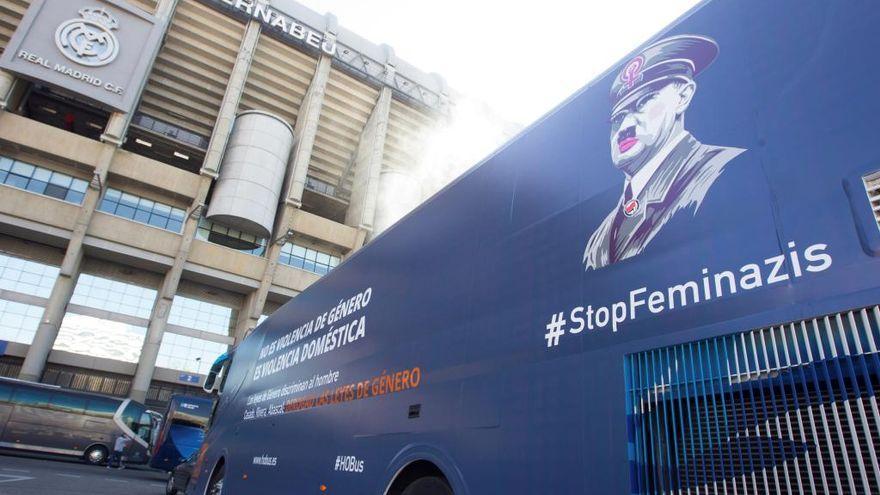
(89, 40)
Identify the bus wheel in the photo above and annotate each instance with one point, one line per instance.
(96, 454)
(215, 486)
(430, 485)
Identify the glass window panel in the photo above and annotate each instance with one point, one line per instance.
(3, 175)
(42, 174)
(5, 163)
(188, 353)
(19, 322)
(17, 181)
(144, 210)
(55, 191)
(323, 258)
(79, 185)
(174, 226)
(36, 186)
(177, 214)
(129, 200)
(14, 276)
(125, 211)
(97, 337)
(298, 251)
(114, 296)
(158, 221)
(201, 315)
(23, 169)
(61, 180)
(74, 196)
(141, 216)
(311, 254)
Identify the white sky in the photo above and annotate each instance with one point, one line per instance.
(521, 58)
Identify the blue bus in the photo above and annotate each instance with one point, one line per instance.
(668, 284)
(182, 431)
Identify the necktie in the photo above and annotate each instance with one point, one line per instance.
(618, 219)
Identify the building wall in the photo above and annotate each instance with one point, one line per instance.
(145, 237)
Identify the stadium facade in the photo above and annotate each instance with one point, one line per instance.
(172, 171)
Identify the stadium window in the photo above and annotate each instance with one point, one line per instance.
(142, 210)
(217, 233)
(41, 180)
(184, 353)
(19, 322)
(25, 276)
(201, 315)
(307, 259)
(98, 337)
(113, 295)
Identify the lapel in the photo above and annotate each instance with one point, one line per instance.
(634, 232)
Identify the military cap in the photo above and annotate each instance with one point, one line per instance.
(676, 57)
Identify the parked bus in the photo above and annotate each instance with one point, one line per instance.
(606, 305)
(182, 431)
(49, 419)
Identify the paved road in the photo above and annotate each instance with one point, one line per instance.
(52, 476)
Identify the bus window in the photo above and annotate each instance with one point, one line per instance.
(68, 403)
(104, 408)
(131, 416)
(5, 392)
(31, 397)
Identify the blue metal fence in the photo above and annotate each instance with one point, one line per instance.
(786, 409)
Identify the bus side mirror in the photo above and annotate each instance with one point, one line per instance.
(214, 378)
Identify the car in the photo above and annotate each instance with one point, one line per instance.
(179, 477)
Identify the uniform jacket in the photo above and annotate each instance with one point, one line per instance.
(681, 182)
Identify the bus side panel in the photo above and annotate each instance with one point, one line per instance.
(470, 287)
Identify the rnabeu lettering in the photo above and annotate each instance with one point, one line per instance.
(773, 270)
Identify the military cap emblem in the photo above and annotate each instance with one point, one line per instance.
(89, 40)
(681, 57)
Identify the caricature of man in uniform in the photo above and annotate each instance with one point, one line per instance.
(666, 168)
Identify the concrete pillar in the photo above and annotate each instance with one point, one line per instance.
(368, 163)
(117, 126)
(304, 132)
(62, 290)
(231, 98)
(162, 306)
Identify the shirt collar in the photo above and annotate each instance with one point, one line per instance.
(638, 181)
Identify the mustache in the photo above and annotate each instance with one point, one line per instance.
(628, 132)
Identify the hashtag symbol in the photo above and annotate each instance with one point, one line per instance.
(555, 329)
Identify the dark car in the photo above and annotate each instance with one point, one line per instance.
(179, 477)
